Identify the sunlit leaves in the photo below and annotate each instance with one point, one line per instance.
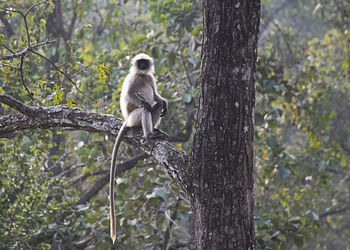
(103, 72)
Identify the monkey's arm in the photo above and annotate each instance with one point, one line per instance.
(162, 101)
(137, 98)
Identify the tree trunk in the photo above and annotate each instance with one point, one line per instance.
(221, 159)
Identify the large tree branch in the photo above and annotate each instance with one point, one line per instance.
(30, 117)
(72, 23)
(66, 35)
(122, 167)
(19, 106)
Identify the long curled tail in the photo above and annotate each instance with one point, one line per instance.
(113, 169)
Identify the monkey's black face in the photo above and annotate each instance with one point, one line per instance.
(142, 64)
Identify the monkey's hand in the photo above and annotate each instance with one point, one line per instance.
(146, 106)
(165, 108)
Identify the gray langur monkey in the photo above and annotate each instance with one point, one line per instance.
(141, 105)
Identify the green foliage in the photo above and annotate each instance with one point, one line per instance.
(35, 208)
(300, 160)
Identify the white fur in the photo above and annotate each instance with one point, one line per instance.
(149, 93)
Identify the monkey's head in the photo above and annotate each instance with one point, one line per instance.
(142, 64)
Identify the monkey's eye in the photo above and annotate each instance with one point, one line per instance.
(142, 64)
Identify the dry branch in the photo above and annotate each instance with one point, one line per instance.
(8, 65)
(31, 48)
(26, 50)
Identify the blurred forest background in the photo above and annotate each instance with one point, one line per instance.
(53, 182)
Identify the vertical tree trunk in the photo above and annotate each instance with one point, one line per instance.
(222, 153)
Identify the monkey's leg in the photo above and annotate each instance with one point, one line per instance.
(147, 125)
(156, 111)
(134, 118)
(142, 116)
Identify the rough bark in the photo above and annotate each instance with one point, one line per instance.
(221, 160)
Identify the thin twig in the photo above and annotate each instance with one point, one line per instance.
(25, 51)
(30, 94)
(3, 45)
(8, 65)
(31, 48)
(27, 29)
(10, 10)
(53, 64)
(25, 17)
(45, 1)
